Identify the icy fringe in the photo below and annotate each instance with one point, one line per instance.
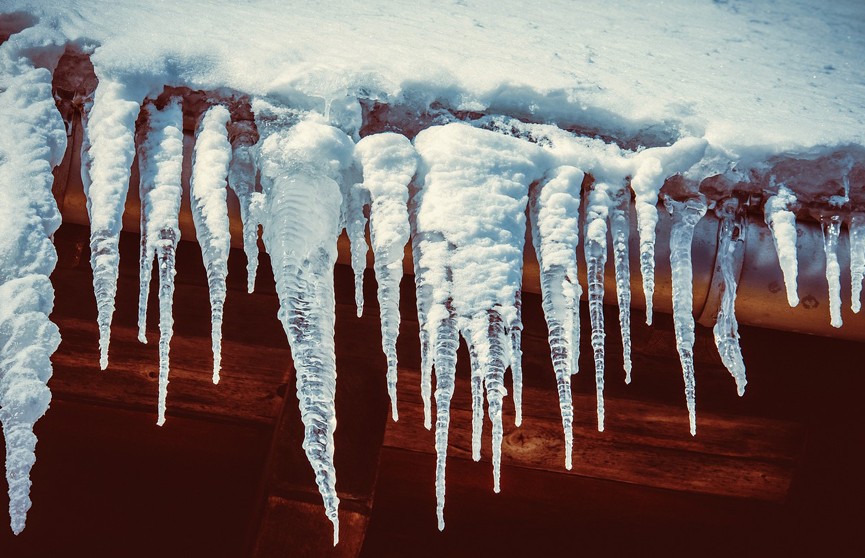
(782, 222)
(856, 228)
(554, 206)
(726, 328)
(241, 178)
(32, 142)
(389, 163)
(468, 280)
(160, 161)
(210, 164)
(301, 170)
(107, 152)
(686, 215)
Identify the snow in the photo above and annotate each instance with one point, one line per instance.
(515, 116)
(160, 163)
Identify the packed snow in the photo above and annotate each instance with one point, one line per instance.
(580, 136)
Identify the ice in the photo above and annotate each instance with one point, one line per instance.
(782, 222)
(686, 214)
(469, 225)
(651, 168)
(355, 226)
(389, 163)
(241, 179)
(301, 167)
(107, 152)
(210, 165)
(726, 328)
(831, 226)
(32, 142)
(856, 228)
(554, 206)
(620, 231)
(160, 163)
(597, 211)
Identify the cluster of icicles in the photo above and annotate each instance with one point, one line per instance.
(460, 193)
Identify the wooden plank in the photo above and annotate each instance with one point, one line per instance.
(644, 443)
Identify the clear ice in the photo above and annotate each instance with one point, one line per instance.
(856, 228)
(686, 214)
(210, 167)
(160, 163)
(726, 328)
(241, 179)
(831, 231)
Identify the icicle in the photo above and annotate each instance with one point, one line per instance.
(515, 357)
(424, 293)
(554, 207)
(620, 230)
(477, 389)
(469, 211)
(210, 163)
(160, 162)
(32, 142)
(355, 225)
(856, 228)
(726, 328)
(241, 179)
(831, 230)
(106, 157)
(652, 167)
(686, 215)
(597, 212)
(445, 342)
(389, 163)
(300, 170)
(782, 222)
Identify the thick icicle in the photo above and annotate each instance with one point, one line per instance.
(477, 390)
(726, 328)
(300, 169)
(160, 162)
(241, 179)
(686, 215)
(856, 228)
(106, 157)
(652, 167)
(831, 231)
(620, 231)
(445, 341)
(782, 222)
(469, 212)
(32, 143)
(597, 212)
(389, 163)
(210, 163)
(554, 207)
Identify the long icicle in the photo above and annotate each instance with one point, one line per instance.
(554, 206)
(389, 163)
(210, 167)
(160, 163)
(620, 229)
(597, 213)
(782, 222)
(726, 328)
(856, 228)
(686, 215)
(107, 152)
(32, 143)
(300, 166)
(445, 341)
(241, 179)
(831, 231)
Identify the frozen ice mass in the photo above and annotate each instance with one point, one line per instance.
(491, 130)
